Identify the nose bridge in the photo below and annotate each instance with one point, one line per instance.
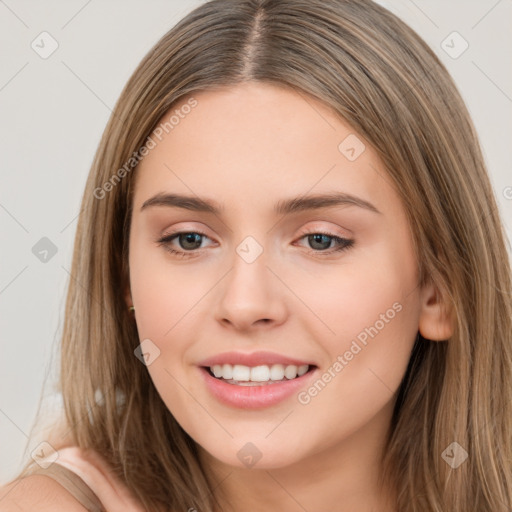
(249, 292)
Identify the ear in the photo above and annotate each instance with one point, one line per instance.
(128, 297)
(127, 292)
(437, 320)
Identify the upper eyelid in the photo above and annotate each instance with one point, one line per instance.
(346, 233)
(173, 235)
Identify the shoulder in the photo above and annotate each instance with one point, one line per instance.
(37, 493)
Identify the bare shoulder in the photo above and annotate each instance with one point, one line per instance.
(37, 493)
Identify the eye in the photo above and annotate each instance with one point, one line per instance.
(326, 242)
(188, 241)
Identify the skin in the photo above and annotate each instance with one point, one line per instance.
(247, 147)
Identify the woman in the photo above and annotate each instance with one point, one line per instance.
(291, 287)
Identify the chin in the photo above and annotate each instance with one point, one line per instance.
(245, 454)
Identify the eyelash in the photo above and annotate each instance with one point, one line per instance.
(344, 243)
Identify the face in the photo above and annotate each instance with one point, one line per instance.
(291, 254)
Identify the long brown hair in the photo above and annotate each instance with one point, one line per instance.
(378, 75)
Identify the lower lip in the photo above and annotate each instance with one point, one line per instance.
(254, 397)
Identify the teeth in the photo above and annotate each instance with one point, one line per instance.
(301, 370)
(227, 371)
(290, 372)
(263, 373)
(260, 374)
(277, 372)
(242, 373)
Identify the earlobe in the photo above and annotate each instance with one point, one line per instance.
(437, 320)
(128, 297)
(127, 292)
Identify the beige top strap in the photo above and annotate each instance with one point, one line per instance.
(72, 483)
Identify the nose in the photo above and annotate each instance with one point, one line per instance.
(251, 297)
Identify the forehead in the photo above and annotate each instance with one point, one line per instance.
(255, 141)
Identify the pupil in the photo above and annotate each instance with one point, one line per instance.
(194, 239)
(320, 239)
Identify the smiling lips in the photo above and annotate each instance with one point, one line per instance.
(261, 366)
(255, 380)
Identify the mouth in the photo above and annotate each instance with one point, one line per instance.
(256, 387)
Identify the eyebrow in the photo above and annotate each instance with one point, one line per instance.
(282, 207)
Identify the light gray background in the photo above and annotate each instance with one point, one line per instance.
(53, 112)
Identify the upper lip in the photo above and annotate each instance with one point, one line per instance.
(252, 359)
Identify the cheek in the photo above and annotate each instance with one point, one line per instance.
(164, 293)
(369, 310)
(379, 325)
(349, 297)
(367, 357)
(164, 296)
